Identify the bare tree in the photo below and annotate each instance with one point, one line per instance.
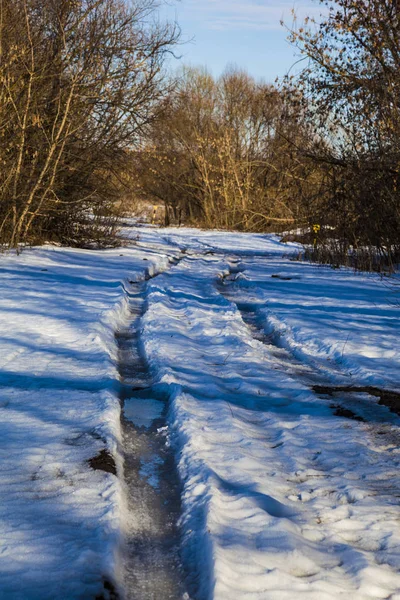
(352, 86)
(219, 157)
(78, 83)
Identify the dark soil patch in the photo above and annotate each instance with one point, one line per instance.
(104, 461)
(282, 277)
(387, 398)
(110, 593)
(340, 411)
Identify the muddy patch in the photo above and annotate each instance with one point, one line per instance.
(341, 411)
(388, 398)
(109, 593)
(281, 277)
(103, 461)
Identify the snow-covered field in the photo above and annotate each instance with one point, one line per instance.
(282, 498)
(59, 519)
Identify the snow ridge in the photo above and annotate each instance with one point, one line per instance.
(60, 520)
(281, 498)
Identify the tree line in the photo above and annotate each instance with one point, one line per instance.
(90, 117)
(78, 83)
(319, 150)
(221, 154)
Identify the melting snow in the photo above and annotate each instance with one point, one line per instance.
(282, 499)
(142, 412)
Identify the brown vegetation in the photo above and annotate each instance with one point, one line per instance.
(352, 86)
(221, 154)
(90, 125)
(321, 149)
(77, 82)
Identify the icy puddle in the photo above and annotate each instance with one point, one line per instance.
(151, 565)
(142, 412)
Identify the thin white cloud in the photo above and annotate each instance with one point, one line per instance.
(258, 15)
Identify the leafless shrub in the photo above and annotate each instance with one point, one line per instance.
(349, 92)
(219, 155)
(78, 79)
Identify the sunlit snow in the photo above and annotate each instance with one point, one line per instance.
(283, 496)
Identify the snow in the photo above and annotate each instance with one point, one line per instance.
(60, 521)
(356, 321)
(281, 498)
(142, 414)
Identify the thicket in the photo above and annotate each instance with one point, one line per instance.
(78, 82)
(89, 118)
(224, 154)
(321, 148)
(350, 92)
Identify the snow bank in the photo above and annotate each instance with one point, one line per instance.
(282, 499)
(61, 520)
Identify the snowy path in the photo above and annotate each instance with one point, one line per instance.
(282, 492)
(282, 499)
(151, 561)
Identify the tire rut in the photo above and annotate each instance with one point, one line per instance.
(152, 567)
(347, 400)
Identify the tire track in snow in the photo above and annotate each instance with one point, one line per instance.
(151, 563)
(348, 404)
(268, 494)
(248, 311)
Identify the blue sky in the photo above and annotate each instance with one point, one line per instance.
(244, 32)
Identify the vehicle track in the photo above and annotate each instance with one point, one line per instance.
(346, 401)
(152, 567)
